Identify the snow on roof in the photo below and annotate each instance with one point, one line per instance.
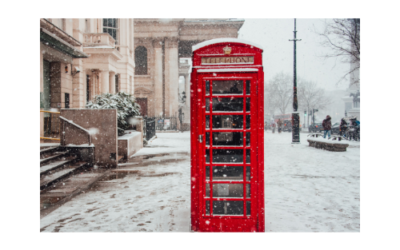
(223, 40)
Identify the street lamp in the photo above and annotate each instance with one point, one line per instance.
(295, 114)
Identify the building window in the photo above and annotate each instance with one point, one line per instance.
(140, 61)
(110, 26)
(356, 104)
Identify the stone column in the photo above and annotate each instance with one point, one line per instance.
(158, 81)
(171, 76)
(78, 95)
(187, 89)
(112, 82)
(105, 77)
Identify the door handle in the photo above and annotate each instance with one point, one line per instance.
(200, 138)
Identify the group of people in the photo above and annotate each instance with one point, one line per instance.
(327, 125)
(278, 124)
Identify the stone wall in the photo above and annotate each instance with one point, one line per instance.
(103, 126)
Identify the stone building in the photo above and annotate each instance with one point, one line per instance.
(159, 45)
(82, 58)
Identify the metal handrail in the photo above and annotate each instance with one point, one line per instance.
(76, 125)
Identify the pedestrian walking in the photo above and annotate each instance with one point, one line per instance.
(343, 127)
(273, 126)
(280, 123)
(327, 125)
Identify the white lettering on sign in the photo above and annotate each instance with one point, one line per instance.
(228, 60)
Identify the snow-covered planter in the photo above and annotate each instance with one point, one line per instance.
(124, 103)
(327, 144)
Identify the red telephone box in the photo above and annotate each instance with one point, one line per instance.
(227, 137)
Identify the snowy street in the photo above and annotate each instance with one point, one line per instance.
(306, 190)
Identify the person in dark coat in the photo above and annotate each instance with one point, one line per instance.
(327, 125)
(343, 126)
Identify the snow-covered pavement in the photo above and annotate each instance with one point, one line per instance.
(306, 189)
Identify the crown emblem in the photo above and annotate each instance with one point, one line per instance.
(227, 50)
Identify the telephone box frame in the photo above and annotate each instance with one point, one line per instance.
(242, 60)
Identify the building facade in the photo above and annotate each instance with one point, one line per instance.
(82, 58)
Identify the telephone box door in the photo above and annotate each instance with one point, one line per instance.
(227, 146)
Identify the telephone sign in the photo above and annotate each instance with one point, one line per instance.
(227, 137)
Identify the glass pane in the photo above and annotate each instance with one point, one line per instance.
(248, 156)
(114, 34)
(208, 138)
(227, 207)
(247, 121)
(227, 138)
(109, 31)
(104, 30)
(228, 190)
(248, 207)
(227, 104)
(207, 87)
(247, 87)
(248, 191)
(227, 87)
(227, 121)
(208, 104)
(207, 121)
(247, 104)
(247, 139)
(104, 22)
(207, 173)
(207, 155)
(208, 207)
(207, 190)
(228, 155)
(110, 22)
(227, 173)
(248, 176)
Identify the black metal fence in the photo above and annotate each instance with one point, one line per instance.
(149, 130)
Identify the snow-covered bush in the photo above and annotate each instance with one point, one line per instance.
(124, 103)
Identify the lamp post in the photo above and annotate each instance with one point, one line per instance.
(295, 114)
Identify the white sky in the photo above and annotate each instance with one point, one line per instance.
(274, 35)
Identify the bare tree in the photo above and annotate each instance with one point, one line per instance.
(278, 93)
(311, 96)
(342, 36)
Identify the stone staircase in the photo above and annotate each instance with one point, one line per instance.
(57, 164)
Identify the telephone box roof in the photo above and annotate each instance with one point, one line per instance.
(223, 40)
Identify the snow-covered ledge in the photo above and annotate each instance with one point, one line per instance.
(328, 144)
(129, 143)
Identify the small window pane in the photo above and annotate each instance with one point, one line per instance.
(207, 155)
(248, 176)
(227, 207)
(208, 104)
(227, 138)
(227, 121)
(247, 139)
(248, 156)
(207, 138)
(227, 173)
(248, 191)
(227, 87)
(207, 190)
(228, 155)
(247, 121)
(207, 173)
(207, 87)
(248, 207)
(247, 87)
(208, 207)
(228, 190)
(207, 121)
(227, 104)
(247, 104)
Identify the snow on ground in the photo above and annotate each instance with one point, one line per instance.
(306, 189)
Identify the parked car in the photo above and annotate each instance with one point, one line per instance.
(287, 126)
(336, 128)
(316, 127)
